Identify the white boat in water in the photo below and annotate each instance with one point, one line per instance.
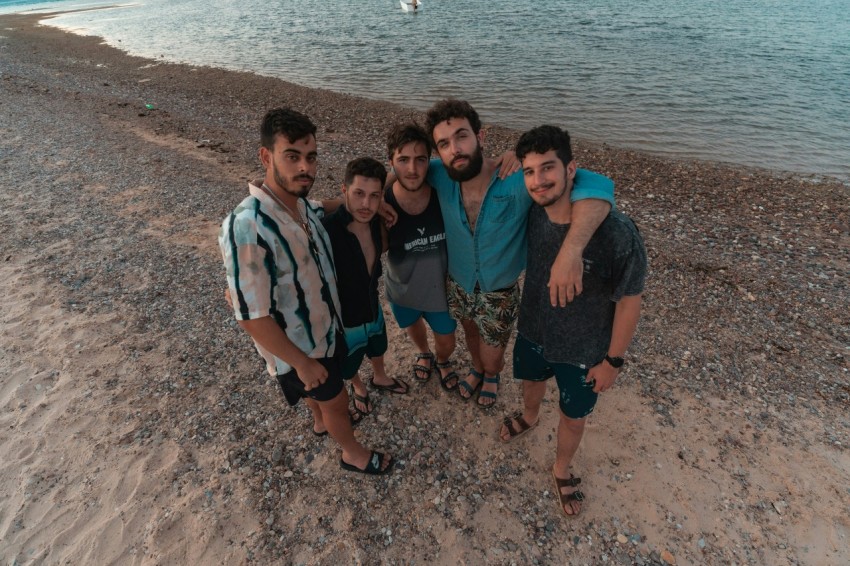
(409, 6)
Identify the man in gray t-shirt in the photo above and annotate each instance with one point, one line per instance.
(581, 345)
(417, 257)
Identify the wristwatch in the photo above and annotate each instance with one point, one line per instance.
(614, 361)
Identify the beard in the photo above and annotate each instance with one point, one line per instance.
(410, 188)
(473, 166)
(289, 185)
(551, 200)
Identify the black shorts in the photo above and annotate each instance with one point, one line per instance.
(293, 388)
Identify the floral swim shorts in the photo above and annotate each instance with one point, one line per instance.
(493, 313)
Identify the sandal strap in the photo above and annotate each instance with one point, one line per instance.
(425, 356)
(509, 423)
(488, 394)
(574, 496)
(571, 481)
(477, 374)
(494, 379)
(445, 364)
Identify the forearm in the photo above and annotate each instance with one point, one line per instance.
(587, 215)
(268, 334)
(626, 318)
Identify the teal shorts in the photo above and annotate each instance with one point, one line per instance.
(369, 340)
(440, 322)
(577, 398)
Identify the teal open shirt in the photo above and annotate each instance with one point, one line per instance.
(494, 256)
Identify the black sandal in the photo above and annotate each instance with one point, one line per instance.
(487, 394)
(373, 468)
(444, 380)
(426, 371)
(465, 386)
(366, 402)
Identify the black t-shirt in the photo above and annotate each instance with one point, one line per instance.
(615, 266)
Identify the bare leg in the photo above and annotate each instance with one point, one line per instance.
(318, 423)
(473, 344)
(444, 345)
(379, 371)
(532, 397)
(335, 416)
(418, 335)
(570, 432)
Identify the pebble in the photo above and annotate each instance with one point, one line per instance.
(667, 557)
(622, 539)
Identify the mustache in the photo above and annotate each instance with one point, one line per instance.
(459, 157)
(305, 177)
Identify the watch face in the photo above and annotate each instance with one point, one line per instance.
(615, 362)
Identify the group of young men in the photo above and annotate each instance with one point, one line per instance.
(303, 275)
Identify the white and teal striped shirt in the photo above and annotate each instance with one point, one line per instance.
(273, 271)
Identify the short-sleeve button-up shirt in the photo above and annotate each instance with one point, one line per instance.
(273, 270)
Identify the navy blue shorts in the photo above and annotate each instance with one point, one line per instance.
(577, 398)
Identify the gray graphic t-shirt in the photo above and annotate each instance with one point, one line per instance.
(417, 259)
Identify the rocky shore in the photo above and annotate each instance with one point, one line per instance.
(138, 425)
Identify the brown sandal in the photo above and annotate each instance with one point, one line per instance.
(565, 498)
(524, 427)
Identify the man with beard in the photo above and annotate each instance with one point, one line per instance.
(417, 257)
(282, 284)
(485, 219)
(357, 240)
(581, 346)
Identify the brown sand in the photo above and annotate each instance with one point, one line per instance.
(138, 426)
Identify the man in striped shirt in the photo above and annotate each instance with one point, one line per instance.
(283, 287)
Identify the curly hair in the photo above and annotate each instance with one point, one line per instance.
(452, 108)
(545, 138)
(293, 125)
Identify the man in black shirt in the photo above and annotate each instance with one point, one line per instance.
(355, 233)
(582, 345)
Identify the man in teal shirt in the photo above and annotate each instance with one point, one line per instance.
(485, 219)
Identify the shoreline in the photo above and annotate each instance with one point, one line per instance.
(141, 428)
(812, 177)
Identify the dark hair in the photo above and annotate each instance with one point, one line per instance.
(403, 134)
(365, 167)
(452, 108)
(293, 125)
(544, 138)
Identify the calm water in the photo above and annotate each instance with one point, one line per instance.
(754, 82)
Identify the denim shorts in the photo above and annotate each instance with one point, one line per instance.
(577, 398)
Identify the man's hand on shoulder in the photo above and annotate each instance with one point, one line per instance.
(565, 277)
(508, 164)
(388, 214)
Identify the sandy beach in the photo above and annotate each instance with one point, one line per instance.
(139, 427)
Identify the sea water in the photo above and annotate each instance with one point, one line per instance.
(754, 82)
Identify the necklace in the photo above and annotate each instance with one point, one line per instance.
(296, 216)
